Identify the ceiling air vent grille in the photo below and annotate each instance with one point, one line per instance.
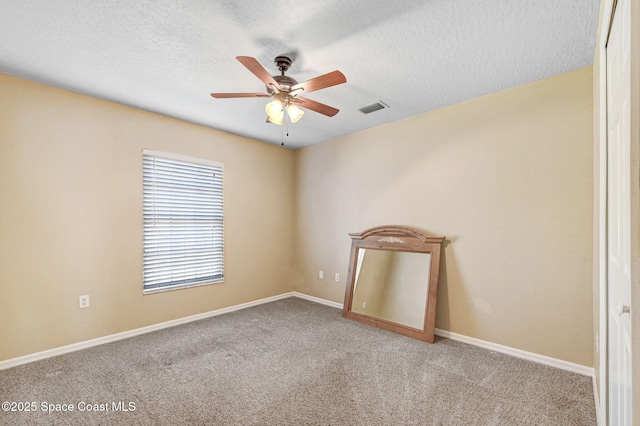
(373, 107)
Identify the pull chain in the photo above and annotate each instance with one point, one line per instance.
(287, 121)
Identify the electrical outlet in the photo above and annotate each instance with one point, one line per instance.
(321, 275)
(364, 305)
(337, 278)
(84, 301)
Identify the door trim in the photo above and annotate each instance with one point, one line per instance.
(603, 38)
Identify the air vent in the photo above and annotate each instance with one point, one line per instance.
(373, 107)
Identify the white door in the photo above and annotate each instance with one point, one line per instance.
(618, 216)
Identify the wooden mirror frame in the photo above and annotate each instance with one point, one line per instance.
(396, 238)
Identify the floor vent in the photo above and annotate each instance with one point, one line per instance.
(373, 107)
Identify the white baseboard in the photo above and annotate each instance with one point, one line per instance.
(13, 362)
(518, 353)
(316, 299)
(564, 365)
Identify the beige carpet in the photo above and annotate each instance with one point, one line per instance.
(293, 362)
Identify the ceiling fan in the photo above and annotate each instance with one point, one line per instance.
(286, 90)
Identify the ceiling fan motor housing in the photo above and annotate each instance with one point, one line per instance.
(283, 63)
(285, 82)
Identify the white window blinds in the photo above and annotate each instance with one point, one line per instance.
(183, 216)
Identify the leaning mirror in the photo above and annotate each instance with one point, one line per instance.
(393, 280)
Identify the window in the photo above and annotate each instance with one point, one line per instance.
(183, 232)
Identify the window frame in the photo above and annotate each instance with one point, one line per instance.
(216, 218)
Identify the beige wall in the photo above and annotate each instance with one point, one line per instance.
(71, 217)
(506, 177)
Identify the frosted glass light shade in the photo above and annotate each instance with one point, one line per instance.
(278, 119)
(274, 109)
(294, 113)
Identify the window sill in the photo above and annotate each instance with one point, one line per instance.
(179, 287)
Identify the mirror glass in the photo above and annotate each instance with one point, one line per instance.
(393, 280)
(392, 285)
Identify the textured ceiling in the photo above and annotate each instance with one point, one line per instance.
(167, 56)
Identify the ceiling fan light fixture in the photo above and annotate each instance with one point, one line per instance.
(284, 90)
(294, 113)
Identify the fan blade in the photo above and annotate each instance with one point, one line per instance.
(240, 95)
(316, 106)
(258, 70)
(327, 80)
